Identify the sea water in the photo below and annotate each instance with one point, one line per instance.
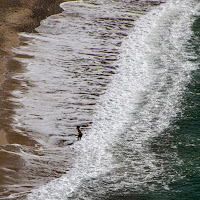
(130, 79)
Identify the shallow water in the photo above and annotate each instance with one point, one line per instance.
(121, 73)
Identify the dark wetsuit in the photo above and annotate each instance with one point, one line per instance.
(79, 133)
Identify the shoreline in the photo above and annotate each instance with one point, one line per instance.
(24, 16)
(17, 16)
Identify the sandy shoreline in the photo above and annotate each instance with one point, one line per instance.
(15, 16)
(18, 16)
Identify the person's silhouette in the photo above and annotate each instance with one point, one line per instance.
(79, 132)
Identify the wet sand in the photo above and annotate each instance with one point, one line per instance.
(15, 16)
(18, 16)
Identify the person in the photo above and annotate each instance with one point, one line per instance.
(79, 133)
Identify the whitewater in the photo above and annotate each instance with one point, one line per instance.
(121, 73)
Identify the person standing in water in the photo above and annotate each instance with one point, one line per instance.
(79, 133)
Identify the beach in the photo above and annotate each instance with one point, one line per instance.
(126, 72)
(15, 16)
(19, 16)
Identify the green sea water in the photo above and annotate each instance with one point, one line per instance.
(188, 132)
(181, 139)
(184, 138)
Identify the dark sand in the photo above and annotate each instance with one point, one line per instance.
(15, 16)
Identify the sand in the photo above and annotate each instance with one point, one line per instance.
(17, 16)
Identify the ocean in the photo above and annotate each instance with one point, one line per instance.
(127, 72)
